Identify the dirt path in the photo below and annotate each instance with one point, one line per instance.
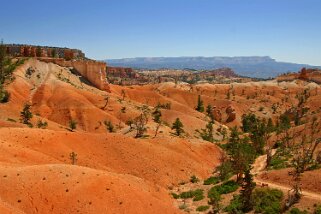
(259, 168)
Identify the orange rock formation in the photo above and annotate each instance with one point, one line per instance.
(93, 71)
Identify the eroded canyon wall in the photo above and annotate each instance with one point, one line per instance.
(93, 71)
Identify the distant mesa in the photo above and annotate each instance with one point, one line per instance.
(252, 66)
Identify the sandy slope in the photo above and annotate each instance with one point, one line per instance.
(30, 155)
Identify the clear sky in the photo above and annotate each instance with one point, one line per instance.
(287, 30)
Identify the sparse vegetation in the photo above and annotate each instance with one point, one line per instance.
(6, 69)
(140, 123)
(297, 211)
(26, 115)
(157, 118)
(214, 200)
(4, 95)
(200, 104)
(106, 98)
(194, 179)
(202, 208)
(178, 127)
(164, 106)
(72, 125)
(207, 133)
(42, 124)
(197, 195)
(211, 180)
(267, 200)
(109, 126)
(73, 158)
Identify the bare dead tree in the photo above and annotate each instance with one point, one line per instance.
(73, 158)
(106, 102)
(141, 121)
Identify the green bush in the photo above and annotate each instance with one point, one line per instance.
(278, 162)
(297, 211)
(41, 124)
(214, 194)
(226, 187)
(4, 95)
(267, 200)
(72, 125)
(194, 179)
(197, 194)
(202, 208)
(225, 170)
(211, 180)
(235, 206)
(175, 195)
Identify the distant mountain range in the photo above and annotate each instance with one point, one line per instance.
(256, 66)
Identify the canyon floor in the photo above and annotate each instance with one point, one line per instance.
(114, 172)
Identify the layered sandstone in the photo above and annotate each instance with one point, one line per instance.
(122, 72)
(18, 50)
(93, 71)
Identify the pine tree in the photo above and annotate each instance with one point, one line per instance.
(241, 153)
(270, 126)
(72, 125)
(200, 104)
(207, 133)
(209, 111)
(246, 191)
(214, 201)
(25, 114)
(178, 126)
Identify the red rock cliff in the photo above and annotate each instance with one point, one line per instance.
(93, 71)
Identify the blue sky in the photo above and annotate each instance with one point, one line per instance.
(287, 30)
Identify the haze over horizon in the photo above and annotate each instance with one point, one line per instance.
(284, 30)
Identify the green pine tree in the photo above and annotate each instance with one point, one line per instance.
(178, 127)
(200, 104)
(247, 190)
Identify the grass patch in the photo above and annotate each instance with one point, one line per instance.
(211, 180)
(202, 208)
